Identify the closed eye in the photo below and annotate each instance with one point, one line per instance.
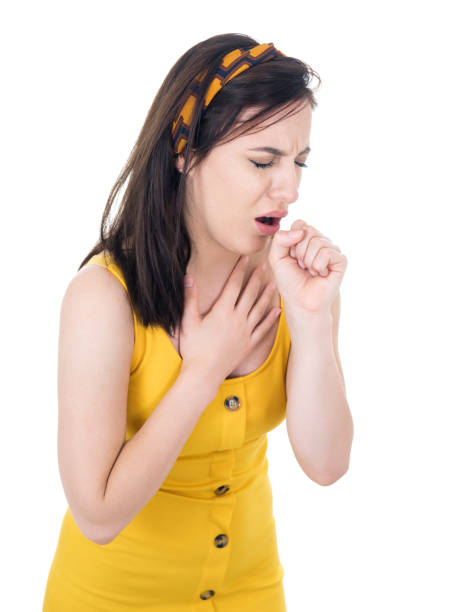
(302, 165)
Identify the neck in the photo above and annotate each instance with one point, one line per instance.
(211, 270)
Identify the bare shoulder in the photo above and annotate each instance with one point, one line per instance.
(96, 305)
(95, 286)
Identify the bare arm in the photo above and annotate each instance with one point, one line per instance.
(318, 418)
(106, 481)
(146, 459)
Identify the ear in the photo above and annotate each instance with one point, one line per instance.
(179, 162)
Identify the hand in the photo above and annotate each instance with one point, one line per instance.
(218, 341)
(314, 285)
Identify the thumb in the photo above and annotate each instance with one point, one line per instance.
(283, 240)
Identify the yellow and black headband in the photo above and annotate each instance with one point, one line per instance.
(233, 63)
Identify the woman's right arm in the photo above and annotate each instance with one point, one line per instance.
(108, 481)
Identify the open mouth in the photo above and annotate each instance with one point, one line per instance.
(268, 220)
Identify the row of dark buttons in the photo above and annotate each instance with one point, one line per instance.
(232, 402)
(220, 541)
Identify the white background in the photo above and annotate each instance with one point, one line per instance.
(391, 181)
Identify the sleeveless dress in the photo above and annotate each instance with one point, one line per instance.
(206, 541)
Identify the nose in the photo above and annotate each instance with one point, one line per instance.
(285, 183)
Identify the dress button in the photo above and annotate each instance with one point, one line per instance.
(233, 402)
(222, 490)
(221, 540)
(207, 594)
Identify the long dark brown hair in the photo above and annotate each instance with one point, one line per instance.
(148, 238)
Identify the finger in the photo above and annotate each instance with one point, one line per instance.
(233, 285)
(299, 224)
(313, 246)
(326, 259)
(251, 290)
(262, 305)
(282, 241)
(191, 312)
(312, 231)
(307, 250)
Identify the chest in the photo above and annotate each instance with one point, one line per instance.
(255, 358)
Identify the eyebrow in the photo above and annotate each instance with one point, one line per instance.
(274, 151)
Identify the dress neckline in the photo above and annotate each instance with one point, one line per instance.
(245, 377)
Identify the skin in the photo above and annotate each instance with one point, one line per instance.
(226, 191)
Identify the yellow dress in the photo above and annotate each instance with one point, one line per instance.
(206, 541)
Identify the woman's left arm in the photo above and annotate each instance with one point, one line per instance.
(318, 419)
(308, 270)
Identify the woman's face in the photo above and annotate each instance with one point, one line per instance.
(227, 191)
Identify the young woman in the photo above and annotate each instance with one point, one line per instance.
(167, 389)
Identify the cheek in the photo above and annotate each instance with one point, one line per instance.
(237, 184)
(231, 195)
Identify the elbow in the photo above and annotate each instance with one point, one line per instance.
(328, 478)
(323, 476)
(93, 531)
(99, 537)
(103, 540)
(100, 534)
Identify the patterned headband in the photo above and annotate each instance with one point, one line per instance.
(233, 63)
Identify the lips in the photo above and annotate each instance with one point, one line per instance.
(268, 220)
(267, 228)
(274, 213)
